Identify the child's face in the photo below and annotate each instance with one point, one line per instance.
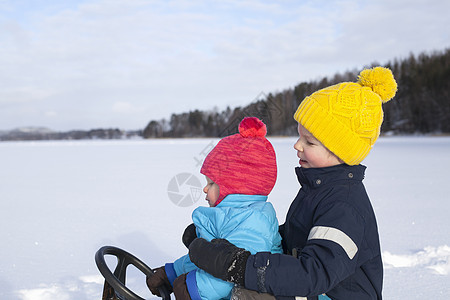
(212, 191)
(312, 153)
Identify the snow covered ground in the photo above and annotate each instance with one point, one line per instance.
(61, 201)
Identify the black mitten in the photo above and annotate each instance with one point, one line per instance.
(189, 235)
(220, 258)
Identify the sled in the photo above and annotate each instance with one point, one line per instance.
(114, 287)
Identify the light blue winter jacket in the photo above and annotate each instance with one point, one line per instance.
(247, 221)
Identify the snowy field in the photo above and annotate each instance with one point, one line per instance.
(61, 201)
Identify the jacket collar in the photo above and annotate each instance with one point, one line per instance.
(317, 177)
(240, 200)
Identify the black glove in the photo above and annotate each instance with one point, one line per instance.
(158, 279)
(220, 258)
(180, 288)
(189, 235)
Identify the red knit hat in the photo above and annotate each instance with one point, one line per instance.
(243, 163)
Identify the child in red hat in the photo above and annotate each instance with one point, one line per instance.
(240, 172)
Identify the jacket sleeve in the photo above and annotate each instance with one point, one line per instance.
(200, 284)
(180, 266)
(329, 256)
(283, 241)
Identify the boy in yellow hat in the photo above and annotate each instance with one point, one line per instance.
(330, 236)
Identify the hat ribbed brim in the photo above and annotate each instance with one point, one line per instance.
(332, 133)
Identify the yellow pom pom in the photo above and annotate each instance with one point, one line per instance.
(380, 80)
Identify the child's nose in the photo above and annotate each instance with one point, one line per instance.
(298, 146)
(205, 189)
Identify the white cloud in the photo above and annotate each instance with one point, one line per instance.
(124, 107)
(51, 114)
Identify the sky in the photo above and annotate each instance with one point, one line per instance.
(88, 64)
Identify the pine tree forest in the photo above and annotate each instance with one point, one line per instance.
(421, 105)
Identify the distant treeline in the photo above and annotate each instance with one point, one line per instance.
(421, 105)
(35, 134)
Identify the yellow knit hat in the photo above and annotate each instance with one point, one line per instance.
(346, 117)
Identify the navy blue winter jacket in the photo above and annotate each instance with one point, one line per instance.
(331, 230)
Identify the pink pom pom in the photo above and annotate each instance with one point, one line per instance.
(252, 127)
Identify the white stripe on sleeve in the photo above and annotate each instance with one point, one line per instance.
(334, 235)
